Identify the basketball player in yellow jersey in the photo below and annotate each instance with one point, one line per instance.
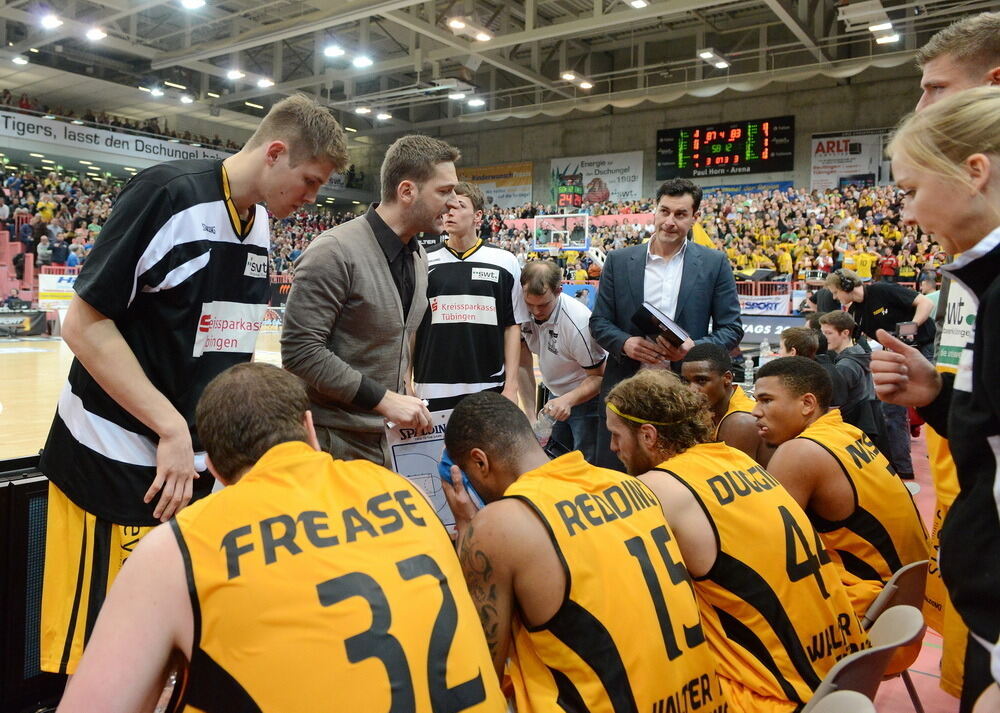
(708, 370)
(862, 510)
(576, 576)
(310, 585)
(774, 610)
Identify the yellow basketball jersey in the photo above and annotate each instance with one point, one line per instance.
(328, 585)
(739, 402)
(627, 636)
(773, 608)
(885, 531)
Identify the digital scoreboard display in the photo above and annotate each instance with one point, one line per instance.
(737, 148)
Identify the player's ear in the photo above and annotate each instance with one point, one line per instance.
(213, 471)
(809, 403)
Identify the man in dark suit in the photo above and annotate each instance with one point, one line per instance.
(688, 282)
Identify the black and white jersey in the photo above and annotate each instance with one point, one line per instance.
(186, 283)
(564, 345)
(473, 298)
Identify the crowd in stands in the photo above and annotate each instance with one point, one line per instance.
(796, 235)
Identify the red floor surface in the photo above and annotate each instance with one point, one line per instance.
(925, 672)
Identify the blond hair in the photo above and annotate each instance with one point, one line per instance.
(309, 130)
(680, 415)
(472, 192)
(941, 137)
(972, 41)
(413, 158)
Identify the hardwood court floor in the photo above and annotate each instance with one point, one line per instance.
(32, 374)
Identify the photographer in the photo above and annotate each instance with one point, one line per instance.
(889, 306)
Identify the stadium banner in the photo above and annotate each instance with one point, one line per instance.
(55, 291)
(581, 180)
(765, 304)
(25, 323)
(279, 293)
(847, 158)
(507, 185)
(595, 221)
(758, 327)
(68, 135)
(735, 188)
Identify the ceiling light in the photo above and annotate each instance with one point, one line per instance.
(47, 160)
(721, 64)
(175, 85)
(362, 110)
(143, 89)
(33, 49)
(94, 168)
(49, 116)
(457, 96)
(37, 155)
(234, 74)
(483, 36)
(264, 83)
(383, 116)
(351, 129)
(881, 27)
(20, 60)
(586, 85)
(638, 4)
(713, 58)
(196, 145)
(192, 4)
(77, 122)
(362, 61)
(51, 21)
(568, 76)
(85, 163)
(333, 51)
(96, 34)
(253, 106)
(186, 99)
(476, 101)
(212, 94)
(456, 23)
(356, 202)
(887, 39)
(156, 92)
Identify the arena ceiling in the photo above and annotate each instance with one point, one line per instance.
(629, 51)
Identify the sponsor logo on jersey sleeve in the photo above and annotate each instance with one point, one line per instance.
(485, 273)
(463, 309)
(256, 266)
(228, 327)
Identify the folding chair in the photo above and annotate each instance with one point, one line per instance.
(906, 587)
(862, 671)
(844, 702)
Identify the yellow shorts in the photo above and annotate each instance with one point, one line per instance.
(83, 555)
(743, 700)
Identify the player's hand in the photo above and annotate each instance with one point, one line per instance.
(643, 350)
(675, 353)
(405, 411)
(175, 474)
(458, 498)
(558, 408)
(902, 375)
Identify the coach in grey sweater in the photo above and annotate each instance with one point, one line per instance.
(359, 294)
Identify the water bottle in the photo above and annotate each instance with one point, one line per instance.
(543, 428)
(748, 375)
(766, 354)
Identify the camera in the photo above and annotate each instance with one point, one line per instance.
(906, 332)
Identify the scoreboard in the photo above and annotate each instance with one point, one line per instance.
(726, 149)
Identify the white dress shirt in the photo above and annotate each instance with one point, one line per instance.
(662, 280)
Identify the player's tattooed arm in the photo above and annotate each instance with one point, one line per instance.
(489, 584)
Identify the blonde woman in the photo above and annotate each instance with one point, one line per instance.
(946, 159)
